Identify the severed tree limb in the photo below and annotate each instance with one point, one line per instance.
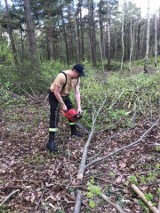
(85, 150)
(141, 195)
(8, 197)
(84, 157)
(78, 201)
(125, 147)
(111, 203)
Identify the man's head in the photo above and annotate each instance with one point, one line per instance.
(79, 69)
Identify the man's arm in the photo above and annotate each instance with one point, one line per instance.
(59, 97)
(78, 98)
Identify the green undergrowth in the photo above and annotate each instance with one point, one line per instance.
(127, 96)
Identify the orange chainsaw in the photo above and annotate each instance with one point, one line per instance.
(71, 115)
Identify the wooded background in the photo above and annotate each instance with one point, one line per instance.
(73, 32)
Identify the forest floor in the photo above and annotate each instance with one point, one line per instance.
(45, 182)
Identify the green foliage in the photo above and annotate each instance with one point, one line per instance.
(132, 179)
(6, 56)
(23, 79)
(116, 114)
(157, 148)
(149, 196)
(50, 69)
(93, 191)
(143, 206)
(92, 204)
(146, 179)
(149, 177)
(125, 95)
(3, 209)
(34, 159)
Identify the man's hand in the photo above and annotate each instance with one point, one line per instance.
(64, 107)
(79, 111)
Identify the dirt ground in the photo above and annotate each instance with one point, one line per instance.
(46, 182)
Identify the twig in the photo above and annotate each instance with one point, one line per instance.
(117, 99)
(116, 206)
(10, 195)
(107, 181)
(46, 98)
(33, 92)
(96, 154)
(141, 195)
(44, 190)
(29, 95)
(125, 147)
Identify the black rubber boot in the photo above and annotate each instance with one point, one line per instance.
(74, 132)
(51, 146)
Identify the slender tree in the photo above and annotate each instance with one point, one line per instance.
(122, 40)
(81, 29)
(108, 33)
(131, 45)
(92, 31)
(10, 33)
(155, 48)
(147, 41)
(31, 35)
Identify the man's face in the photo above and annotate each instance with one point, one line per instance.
(76, 74)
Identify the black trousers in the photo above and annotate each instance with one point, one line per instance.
(54, 109)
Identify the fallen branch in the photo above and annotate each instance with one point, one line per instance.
(141, 195)
(111, 203)
(77, 207)
(125, 147)
(84, 157)
(9, 196)
(85, 150)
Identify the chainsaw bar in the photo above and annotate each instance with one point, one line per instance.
(82, 127)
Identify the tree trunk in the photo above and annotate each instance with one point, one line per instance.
(108, 34)
(31, 36)
(82, 35)
(78, 40)
(100, 18)
(71, 34)
(155, 48)
(131, 45)
(65, 39)
(49, 31)
(100, 44)
(91, 29)
(22, 47)
(10, 34)
(147, 42)
(122, 40)
(138, 41)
